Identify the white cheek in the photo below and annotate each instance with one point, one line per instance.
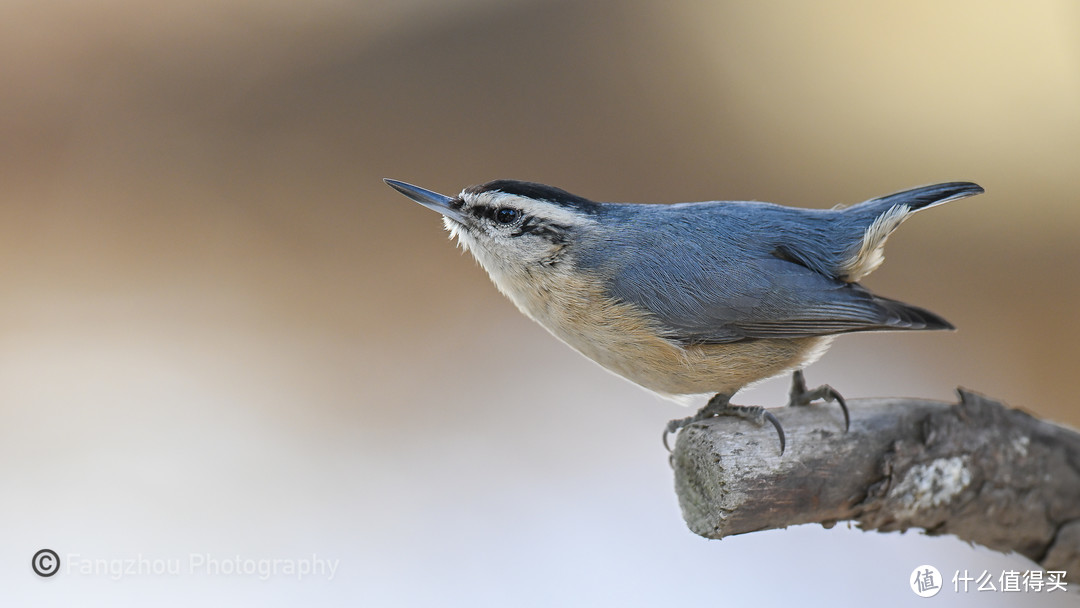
(492, 263)
(505, 260)
(496, 267)
(464, 239)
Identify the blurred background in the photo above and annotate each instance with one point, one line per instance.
(222, 335)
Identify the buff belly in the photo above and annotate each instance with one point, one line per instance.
(625, 340)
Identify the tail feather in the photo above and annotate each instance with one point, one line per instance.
(881, 216)
(918, 198)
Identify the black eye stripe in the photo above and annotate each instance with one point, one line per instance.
(556, 233)
(526, 224)
(499, 215)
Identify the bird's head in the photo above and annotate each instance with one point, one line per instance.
(511, 227)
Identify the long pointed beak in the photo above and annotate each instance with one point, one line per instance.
(431, 200)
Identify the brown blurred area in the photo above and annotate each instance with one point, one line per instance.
(195, 241)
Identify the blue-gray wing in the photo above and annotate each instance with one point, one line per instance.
(744, 285)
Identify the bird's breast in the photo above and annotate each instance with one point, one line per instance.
(627, 340)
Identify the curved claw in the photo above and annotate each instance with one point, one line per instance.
(779, 429)
(843, 405)
(673, 427)
(800, 395)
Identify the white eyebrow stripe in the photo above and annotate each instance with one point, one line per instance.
(543, 210)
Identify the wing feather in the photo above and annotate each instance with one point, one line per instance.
(748, 286)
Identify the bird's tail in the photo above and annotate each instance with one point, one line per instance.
(917, 198)
(879, 217)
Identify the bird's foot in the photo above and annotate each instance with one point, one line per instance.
(720, 405)
(800, 395)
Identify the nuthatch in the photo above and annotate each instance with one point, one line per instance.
(690, 299)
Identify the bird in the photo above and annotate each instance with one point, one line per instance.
(690, 301)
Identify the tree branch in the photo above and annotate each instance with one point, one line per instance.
(977, 469)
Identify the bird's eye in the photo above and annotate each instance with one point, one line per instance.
(507, 215)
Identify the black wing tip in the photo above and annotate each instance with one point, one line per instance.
(906, 316)
(940, 325)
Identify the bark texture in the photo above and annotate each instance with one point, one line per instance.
(975, 469)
